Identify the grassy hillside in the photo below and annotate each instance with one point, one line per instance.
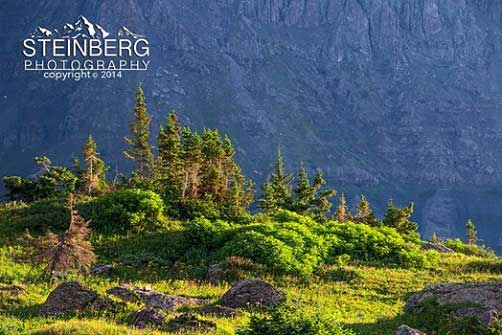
(356, 289)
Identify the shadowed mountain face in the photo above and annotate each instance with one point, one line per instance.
(396, 98)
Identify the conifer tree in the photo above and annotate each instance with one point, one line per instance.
(472, 234)
(140, 149)
(169, 167)
(399, 218)
(267, 201)
(364, 213)
(321, 203)
(281, 183)
(69, 250)
(342, 211)
(94, 173)
(192, 159)
(304, 192)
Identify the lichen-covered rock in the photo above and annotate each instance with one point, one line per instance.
(405, 330)
(148, 317)
(487, 295)
(221, 311)
(190, 323)
(67, 297)
(154, 299)
(251, 292)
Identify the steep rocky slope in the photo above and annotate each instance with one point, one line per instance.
(399, 98)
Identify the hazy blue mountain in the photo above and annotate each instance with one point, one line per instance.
(396, 98)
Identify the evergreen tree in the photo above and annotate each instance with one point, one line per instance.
(93, 177)
(342, 211)
(192, 159)
(141, 150)
(63, 252)
(472, 234)
(364, 213)
(321, 203)
(281, 183)
(304, 192)
(399, 218)
(169, 167)
(267, 201)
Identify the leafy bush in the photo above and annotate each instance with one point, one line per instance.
(286, 247)
(291, 319)
(126, 209)
(381, 244)
(468, 249)
(45, 214)
(204, 233)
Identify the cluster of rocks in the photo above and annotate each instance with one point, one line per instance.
(72, 297)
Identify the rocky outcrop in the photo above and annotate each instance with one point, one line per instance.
(153, 299)
(484, 297)
(437, 247)
(148, 317)
(251, 292)
(405, 330)
(72, 297)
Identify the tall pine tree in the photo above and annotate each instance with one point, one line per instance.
(169, 166)
(140, 148)
(280, 182)
(342, 211)
(93, 176)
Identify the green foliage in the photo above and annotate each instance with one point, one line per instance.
(54, 181)
(468, 249)
(126, 210)
(205, 233)
(375, 244)
(399, 218)
(92, 179)
(292, 319)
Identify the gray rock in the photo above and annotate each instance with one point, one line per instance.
(148, 317)
(438, 247)
(101, 269)
(487, 317)
(67, 297)
(405, 330)
(487, 295)
(154, 299)
(251, 292)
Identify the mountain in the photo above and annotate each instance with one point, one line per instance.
(394, 98)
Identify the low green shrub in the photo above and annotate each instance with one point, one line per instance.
(126, 210)
(292, 319)
(468, 249)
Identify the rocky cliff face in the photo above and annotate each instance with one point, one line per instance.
(397, 98)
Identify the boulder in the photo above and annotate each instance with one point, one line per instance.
(405, 330)
(251, 292)
(68, 297)
(148, 317)
(190, 323)
(221, 311)
(486, 295)
(154, 299)
(101, 269)
(438, 247)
